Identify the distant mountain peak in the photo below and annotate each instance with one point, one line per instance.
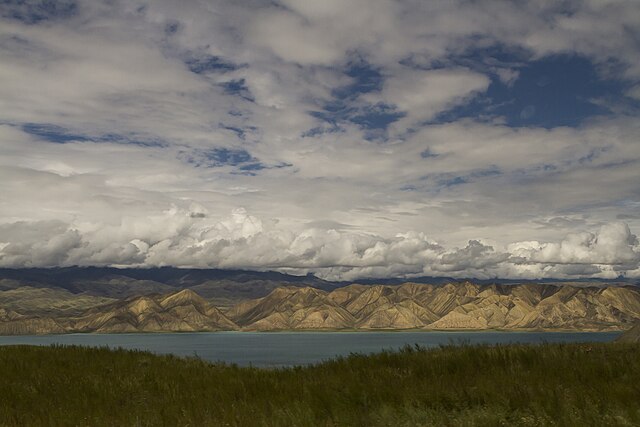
(185, 296)
(142, 305)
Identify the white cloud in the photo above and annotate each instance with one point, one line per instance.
(507, 76)
(422, 94)
(176, 237)
(116, 76)
(612, 244)
(634, 92)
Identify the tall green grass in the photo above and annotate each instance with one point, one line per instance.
(565, 384)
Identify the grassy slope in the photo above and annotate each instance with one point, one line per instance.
(577, 385)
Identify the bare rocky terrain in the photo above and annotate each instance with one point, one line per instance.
(182, 311)
(451, 306)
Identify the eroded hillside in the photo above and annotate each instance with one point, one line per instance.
(452, 306)
(355, 307)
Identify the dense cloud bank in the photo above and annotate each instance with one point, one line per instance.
(190, 239)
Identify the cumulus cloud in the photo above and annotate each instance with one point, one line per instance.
(241, 240)
(475, 255)
(43, 243)
(612, 244)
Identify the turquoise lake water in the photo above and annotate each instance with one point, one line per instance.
(275, 349)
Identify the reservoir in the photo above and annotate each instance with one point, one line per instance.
(280, 349)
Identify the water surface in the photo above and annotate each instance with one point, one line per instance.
(274, 349)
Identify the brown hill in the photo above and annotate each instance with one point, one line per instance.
(452, 306)
(292, 308)
(12, 323)
(179, 312)
(380, 307)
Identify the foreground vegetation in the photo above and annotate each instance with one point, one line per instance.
(566, 384)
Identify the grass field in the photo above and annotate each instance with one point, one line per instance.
(572, 385)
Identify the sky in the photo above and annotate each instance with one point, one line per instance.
(344, 138)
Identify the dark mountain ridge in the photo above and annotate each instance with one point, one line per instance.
(223, 287)
(66, 277)
(173, 276)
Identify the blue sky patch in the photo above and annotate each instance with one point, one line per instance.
(241, 160)
(558, 90)
(456, 180)
(365, 78)
(209, 64)
(240, 132)
(428, 154)
(52, 133)
(342, 108)
(252, 167)
(171, 28)
(34, 12)
(376, 117)
(237, 87)
(59, 135)
(130, 139)
(451, 180)
(217, 157)
(227, 156)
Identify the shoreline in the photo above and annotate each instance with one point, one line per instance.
(328, 331)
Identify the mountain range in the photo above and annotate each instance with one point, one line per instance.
(451, 306)
(224, 288)
(465, 305)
